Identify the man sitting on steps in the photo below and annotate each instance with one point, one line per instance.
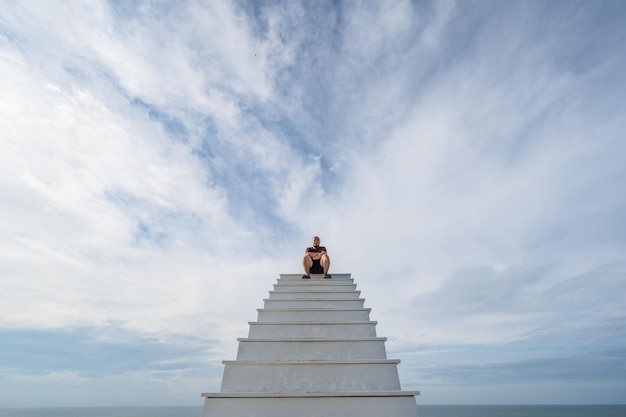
(316, 260)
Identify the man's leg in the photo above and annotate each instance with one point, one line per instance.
(307, 263)
(325, 262)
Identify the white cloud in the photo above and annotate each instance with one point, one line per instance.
(80, 178)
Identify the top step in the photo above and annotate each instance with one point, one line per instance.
(315, 277)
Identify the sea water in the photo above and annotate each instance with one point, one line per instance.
(522, 410)
(102, 412)
(424, 411)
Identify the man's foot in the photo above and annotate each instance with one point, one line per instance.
(306, 277)
(327, 276)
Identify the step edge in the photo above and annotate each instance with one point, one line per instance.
(315, 299)
(303, 339)
(272, 310)
(280, 323)
(314, 291)
(303, 394)
(315, 362)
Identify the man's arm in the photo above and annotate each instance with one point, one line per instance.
(316, 255)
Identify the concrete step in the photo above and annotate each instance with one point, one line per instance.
(312, 314)
(308, 294)
(311, 349)
(361, 375)
(341, 404)
(313, 329)
(298, 277)
(314, 287)
(314, 303)
(315, 282)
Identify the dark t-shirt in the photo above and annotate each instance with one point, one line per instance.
(316, 250)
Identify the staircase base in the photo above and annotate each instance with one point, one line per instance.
(302, 404)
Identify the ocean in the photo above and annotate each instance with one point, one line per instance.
(522, 410)
(424, 411)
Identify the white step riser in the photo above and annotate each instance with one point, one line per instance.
(311, 407)
(298, 277)
(311, 351)
(328, 295)
(307, 378)
(287, 288)
(338, 304)
(321, 330)
(326, 283)
(313, 315)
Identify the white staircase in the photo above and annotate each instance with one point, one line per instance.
(312, 352)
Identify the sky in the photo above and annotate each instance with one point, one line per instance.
(161, 163)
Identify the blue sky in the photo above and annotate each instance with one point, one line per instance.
(162, 163)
